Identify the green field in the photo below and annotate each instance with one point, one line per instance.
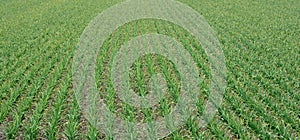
(260, 40)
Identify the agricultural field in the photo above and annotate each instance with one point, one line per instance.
(259, 39)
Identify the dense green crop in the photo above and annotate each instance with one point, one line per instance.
(260, 40)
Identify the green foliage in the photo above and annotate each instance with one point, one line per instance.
(260, 40)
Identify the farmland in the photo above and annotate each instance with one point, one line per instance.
(260, 41)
